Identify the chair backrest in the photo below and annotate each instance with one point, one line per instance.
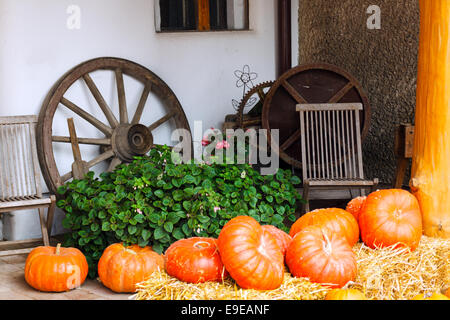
(331, 141)
(19, 167)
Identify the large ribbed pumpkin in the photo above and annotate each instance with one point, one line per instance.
(120, 268)
(195, 260)
(59, 269)
(391, 218)
(337, 220)
(322, 256)
(430, 170)
(355, 205)
(282, 238)
(251, 254)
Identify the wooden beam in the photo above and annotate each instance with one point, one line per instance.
(284, 32)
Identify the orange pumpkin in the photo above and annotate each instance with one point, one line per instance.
(355, 206)
(251, 254)
(120, 268)
(391, 218)
(282, 238)
(322, 256)
(337, 220)
(428, 296)
(59, 269)
(345, 294)
(195, 260)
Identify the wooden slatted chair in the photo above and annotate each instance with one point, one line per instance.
(20, 180)
(331, 148)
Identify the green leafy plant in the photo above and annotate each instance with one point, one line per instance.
(153, 201)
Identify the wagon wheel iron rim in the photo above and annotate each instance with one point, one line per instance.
(350, 89)
(124, 136)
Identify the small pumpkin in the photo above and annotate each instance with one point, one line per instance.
(282, 238)
(251, 254)
(345, 294)
(337, 220)
(120, 268)
(391, 218)
(447, 292)
(59, 269)
(322, 256)
(195, 260)
(430, 296)
(355, 205)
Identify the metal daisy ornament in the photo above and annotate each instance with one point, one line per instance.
(244, 78)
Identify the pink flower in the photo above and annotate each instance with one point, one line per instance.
(222, 145)
(219, 145)
(205, 141)
(216, 209)
(139, 211)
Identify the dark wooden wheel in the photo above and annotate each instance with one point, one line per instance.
(309, 83)
(117, 139)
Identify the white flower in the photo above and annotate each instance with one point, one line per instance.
(243, 174)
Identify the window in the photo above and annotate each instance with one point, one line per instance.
(201, 15)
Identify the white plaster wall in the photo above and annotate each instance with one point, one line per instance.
(36, 48)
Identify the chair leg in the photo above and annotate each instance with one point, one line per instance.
(50, 215)
(43, 227)
(375, 185)
(363, 192)
(305, 206)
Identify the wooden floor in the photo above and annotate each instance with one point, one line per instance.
(14, 287)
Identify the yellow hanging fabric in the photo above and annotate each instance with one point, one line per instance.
(431, 161)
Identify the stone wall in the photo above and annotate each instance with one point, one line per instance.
(384, 61)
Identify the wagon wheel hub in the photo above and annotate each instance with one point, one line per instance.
(129, 141)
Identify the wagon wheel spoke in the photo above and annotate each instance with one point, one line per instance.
(100, 100)
(90, 141)
(142, 102)
(87, 116)
(289, 142)
(104, 156)
(114, 163)
(338, 96)
(164, 119)
(293, 92)
(121, 95)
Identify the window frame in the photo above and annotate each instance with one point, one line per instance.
(204, 26)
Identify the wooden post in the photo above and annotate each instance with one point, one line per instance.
(203, 16)
(431, 165)
(404, 143)
(284, 36)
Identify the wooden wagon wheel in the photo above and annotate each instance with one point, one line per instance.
(122, 138)
(309, 83)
